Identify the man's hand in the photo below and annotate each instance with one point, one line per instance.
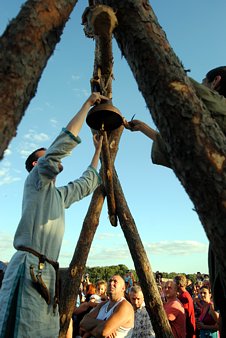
(133, 125)
(96, 97)
(98, 140)
(137, 125)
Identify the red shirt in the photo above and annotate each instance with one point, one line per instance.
(188, 305)
(177, 319)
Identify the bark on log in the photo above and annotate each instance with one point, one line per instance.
(152, 297)
(100, 21)
(73, 276)
(70, 285)
(26, 45)
(108, 180)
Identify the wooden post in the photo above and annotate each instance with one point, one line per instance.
(108, 180)
(100, 22)
(71, 281)
(152, 297)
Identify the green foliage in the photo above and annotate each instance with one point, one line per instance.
(171, 275)
(192, 277)
(105, 272)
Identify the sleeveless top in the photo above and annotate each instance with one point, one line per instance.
(104, 314)
(206, 317)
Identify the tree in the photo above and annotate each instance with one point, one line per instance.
(26, 45)
(199, 159)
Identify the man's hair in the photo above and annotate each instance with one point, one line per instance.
(215, 72)
(31, 158)
(135, 289)
(181, 280)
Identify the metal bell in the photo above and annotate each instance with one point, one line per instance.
(104, 116)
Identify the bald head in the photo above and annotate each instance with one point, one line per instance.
(116, 287)
(136, 297)
(170, 290)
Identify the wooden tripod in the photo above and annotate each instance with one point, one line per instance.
(100, 21)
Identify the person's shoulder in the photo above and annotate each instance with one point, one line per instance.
(188, 295)
(179, 306)
(126, 304)
(144, 311)
(185, 294)
(176, 304)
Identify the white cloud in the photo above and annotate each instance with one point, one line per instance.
(81, 92)
(33, 140)
(75, 77)
(85, 92)
(5, 175)
(36, 137)
(182, 248)
(177, 248)
(108, 236)
(25, 153)
(7, 152)
(54, 122)
(7, 163)
(7, 249)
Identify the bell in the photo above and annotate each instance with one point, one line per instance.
(104, 116)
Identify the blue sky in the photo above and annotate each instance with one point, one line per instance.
(169, 227)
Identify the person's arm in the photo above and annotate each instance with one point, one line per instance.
(89, 321)
(171, 312)
(75, 125)
(123, 315)
(214, 313)
(81, 308)
(98, 145)
(201, 326)
(70, 330)
(137, 125)
(171, 316)
(159, 154)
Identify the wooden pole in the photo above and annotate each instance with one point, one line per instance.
(100, 21)
(73, 276)
(152, 297)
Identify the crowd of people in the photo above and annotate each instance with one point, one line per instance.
(189, 306)
(120, 306)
